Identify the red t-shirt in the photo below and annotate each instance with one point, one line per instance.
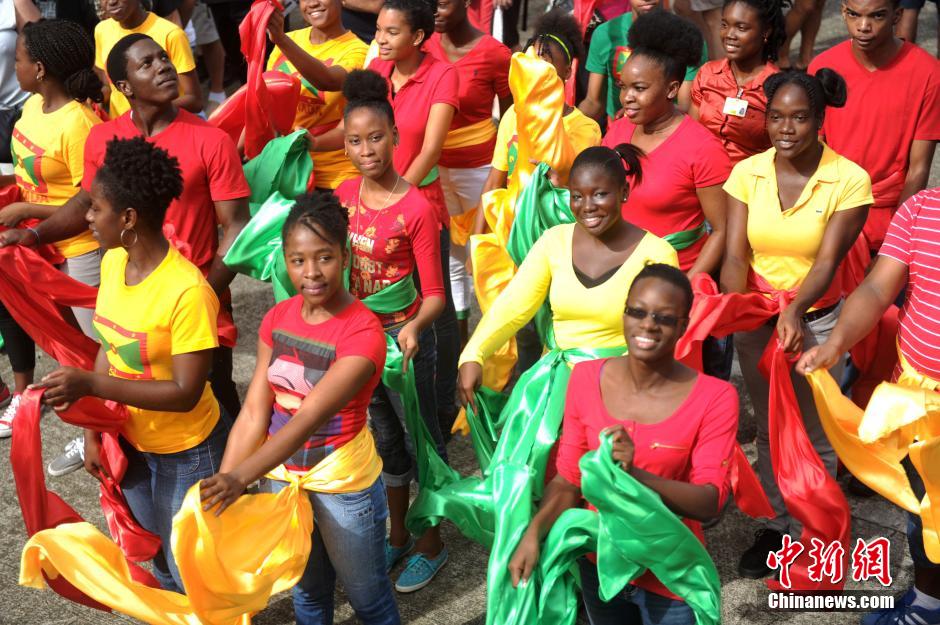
(389, 244)
(695, 444)
(301, 354)
(740, 136)
(211, 168)
(484, 75)
(434, 83)
(886, 111)
(914, 239)
(666, 201)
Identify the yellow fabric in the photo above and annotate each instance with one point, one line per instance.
(474, 134)
(319, 111)
(784, 243)
(230, 565)
(585, 318)
(172, 311)
(582, 131)
(461, 226)
(901, 419)
(461, 425)
(168, 35)
(539, 97)
(49, 159)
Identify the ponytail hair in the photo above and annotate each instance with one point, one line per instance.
(364, 88)
(621, 163)
(68, 55)
(824, 89)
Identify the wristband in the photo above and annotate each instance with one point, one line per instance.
(35, 233)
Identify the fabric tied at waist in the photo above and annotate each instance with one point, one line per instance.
(685, 238)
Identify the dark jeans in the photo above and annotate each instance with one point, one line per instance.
(220, 379)
(387, 416)
(633, 605)
(447, 335)
(718, 356)
(529, 347)
(20, 348)
(915, 526)
(228, 15)
(156, 484)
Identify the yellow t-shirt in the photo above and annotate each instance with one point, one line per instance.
(320, 111)
(585, 318)
(141, 327)
(49, 160)
(168, 35)
(582, 130)
(784, 243)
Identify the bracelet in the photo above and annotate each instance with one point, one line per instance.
(36, 233)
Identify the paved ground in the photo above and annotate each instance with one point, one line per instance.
(458, 595)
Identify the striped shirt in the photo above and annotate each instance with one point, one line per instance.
(914, 239)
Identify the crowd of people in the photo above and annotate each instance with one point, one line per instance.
(689, 149)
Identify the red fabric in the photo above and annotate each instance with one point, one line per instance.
(695, 444)
(583, 12)
(811, 495)
(388, 246)
(901, 100)
(480, 13)
(666, 201)
(283, 89)
(259, 128)
(302, 353)
(484, 73)
(740, 136)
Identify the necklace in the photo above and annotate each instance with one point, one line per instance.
(377, 211)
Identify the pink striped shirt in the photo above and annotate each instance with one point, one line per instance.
(914, 239)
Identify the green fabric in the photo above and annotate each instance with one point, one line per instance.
(540, 206)
(284, 165)
(431, 177)
(684, 238)
(393, 298)
(609, 52)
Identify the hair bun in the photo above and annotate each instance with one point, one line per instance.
(365, 85)
(84, 85)
(833, 87)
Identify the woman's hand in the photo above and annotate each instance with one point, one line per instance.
(408, 342)
(93, 458)
(222, 489)
(623, 449)
(66, 385)
(823, 356)
(276, 27)
(469, 379)
(790, 330)
(14, 213)
(525, 558)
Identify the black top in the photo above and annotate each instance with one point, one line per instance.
(362, 23)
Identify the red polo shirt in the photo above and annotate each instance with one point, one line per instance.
(484, 76)
(886, 111)
(740, 136)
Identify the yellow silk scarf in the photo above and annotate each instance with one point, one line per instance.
(230, 565)
(901, 419)
(539, 98)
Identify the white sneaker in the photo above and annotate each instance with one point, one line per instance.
(71, 459)
(6, 421)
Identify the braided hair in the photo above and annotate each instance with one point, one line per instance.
(825, 88)
(68, 55)
(321, 213)
(364, 88)
(619, 163)
(138, 174)
(418, 13)
(673, 42)
(770, 16)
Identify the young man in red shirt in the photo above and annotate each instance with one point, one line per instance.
(891, 121)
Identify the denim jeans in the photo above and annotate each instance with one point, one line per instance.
(915, 525)
(633, 605)
(387, 416)
(155, 485)
(348, 543)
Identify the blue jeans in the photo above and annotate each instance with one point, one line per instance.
(631, 605)
(155, 485)
(915, 526)
(348, 543)
(387, 416)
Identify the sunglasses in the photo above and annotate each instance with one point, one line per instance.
(659, 319)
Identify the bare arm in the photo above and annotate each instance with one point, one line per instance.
(321, 76)
(684, 99)
(692, 501)
(253, 421)
(439, 119)
(367, 6)
(232, 216)
(918, 170)
(593, 105)
(713, 200)
(67, 221)
(26, 11)
(191, 100)
(736, 265)
(329, 141)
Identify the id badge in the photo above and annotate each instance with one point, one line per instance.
(735, 106)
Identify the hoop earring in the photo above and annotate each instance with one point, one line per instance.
(132, 243)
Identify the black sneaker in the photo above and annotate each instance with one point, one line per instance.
(753, 564)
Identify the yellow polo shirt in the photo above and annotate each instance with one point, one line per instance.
(784, 243)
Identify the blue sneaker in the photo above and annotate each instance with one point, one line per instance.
(903, 613)
(419, 571)
(393, 555)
